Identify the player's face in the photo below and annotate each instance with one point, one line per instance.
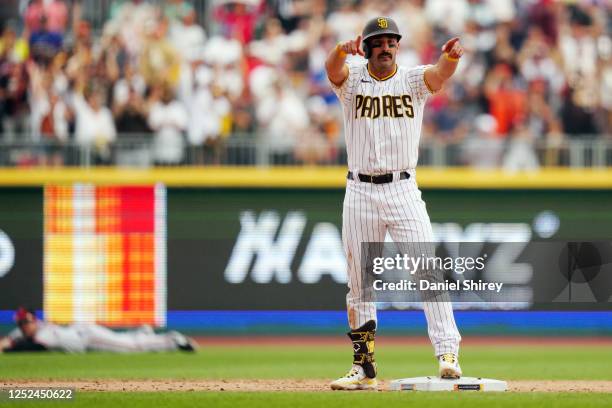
(28, 327)
(384, 50)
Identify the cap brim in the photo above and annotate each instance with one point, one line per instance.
(384, 32)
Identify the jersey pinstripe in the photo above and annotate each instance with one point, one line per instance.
(383, 118)
(382, 126)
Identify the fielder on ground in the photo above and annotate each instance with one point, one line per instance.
(33, 334)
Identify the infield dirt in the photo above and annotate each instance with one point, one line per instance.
(282, 385)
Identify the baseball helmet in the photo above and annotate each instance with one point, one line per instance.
(23, 315)
(378, 26)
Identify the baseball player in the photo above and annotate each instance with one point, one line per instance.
(383, 107)
(32, 334)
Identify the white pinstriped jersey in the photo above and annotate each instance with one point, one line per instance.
(383, 118)
(382, 127)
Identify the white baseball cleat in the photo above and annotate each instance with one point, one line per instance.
(355, 379)
(449, 366)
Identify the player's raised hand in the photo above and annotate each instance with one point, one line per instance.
(453, 48)
(352, 47)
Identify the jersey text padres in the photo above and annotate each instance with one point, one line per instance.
(382, 118)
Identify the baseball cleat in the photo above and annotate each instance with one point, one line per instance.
(355, 379)
(449, 366)
(183, 342)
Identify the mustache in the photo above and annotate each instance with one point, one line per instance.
(385, 54)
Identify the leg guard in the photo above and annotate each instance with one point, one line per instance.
(363, 347)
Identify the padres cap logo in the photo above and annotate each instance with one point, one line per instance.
(382, 22)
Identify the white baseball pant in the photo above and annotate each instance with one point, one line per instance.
(99, 338)
(369, 211)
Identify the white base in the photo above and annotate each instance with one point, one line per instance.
(441, 384)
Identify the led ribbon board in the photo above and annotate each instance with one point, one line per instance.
(105, 254)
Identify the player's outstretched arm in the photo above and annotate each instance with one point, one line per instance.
(337, 70)
(436, 75)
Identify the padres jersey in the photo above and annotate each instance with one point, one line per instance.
(383, 118)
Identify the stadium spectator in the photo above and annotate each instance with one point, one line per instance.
(45, 44)
(520, 153)
(13, 49)
(536, 62)
(57, 16)
(291, 12)
(223, 51)
(33, 15)
(159, 60)
(130, 19)
(316, 145)
(418, 36)
(543, 14)
(501, 50)
(49, 116)
(578, 118)
(541, 64)
(13, 98)
(450, 121)
(95, 127)
(229, 78)
(578, 47)
(483, 149)
(188, 37)
(237, 19)
(272, 48)
(204, 124)
(284, 118)
(115, 57)
(55, 12)
(177, 10)
(130, 82)
(345, 21)
(130, 113)
(209, 114)
(539, 116)
(450, 15)
(606, 96)
(506, 99)
(169, 119)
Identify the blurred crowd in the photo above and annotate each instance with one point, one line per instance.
(535, 72)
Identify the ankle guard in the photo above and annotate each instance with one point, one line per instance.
(363, 347)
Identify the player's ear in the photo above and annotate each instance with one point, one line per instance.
(367, 51)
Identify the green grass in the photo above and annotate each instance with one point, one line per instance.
(516, 362)
(293, 362)
(329, 400)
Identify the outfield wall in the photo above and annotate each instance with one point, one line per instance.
(221, 275)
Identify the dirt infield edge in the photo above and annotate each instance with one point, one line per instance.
(290, 385)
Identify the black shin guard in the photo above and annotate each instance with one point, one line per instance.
(363, 347)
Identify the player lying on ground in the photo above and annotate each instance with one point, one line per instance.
(383, 108)
(33, 334)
